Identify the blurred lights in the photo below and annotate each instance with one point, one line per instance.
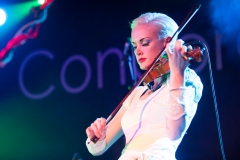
(2, 17)
(15, 14)
(41, 1)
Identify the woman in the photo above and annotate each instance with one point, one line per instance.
(153, 119)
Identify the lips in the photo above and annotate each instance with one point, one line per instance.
(140, 60)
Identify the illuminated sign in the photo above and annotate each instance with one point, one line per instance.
(100, 62)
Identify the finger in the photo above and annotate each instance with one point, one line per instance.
(189, 47)
(183, 50)
(104, 127)
(168, 49)
(95, 129)
(89, 132)
(100, 125)
(178, 46)
(104, 121)
(183, 53)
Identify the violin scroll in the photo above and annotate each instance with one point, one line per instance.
(195, 54)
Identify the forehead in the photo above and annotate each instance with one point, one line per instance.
(143, 31)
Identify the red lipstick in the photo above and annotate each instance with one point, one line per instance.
(140, 60)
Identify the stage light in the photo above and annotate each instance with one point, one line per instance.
(2, 17)
(41, 2)
(15, 13)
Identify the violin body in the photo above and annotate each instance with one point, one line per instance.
(161, 69)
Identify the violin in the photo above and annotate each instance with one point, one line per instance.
(162, 66)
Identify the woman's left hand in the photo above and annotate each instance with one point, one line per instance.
(175, 54)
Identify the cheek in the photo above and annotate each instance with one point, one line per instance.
(155, 51)
(158, 49)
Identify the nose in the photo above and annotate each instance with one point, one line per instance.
(138, 51)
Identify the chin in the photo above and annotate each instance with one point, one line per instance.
(143, 67)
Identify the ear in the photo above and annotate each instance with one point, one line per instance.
(167, 40)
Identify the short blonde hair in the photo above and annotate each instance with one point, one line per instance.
(166, 25)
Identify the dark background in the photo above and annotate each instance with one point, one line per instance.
(53, 127)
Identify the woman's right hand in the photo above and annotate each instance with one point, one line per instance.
(97, 128)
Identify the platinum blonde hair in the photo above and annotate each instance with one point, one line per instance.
(166, 26)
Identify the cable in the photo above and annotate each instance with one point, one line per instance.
(215, 104)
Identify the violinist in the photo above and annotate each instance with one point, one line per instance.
(154, 117)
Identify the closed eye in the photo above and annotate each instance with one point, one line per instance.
(145, 44)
